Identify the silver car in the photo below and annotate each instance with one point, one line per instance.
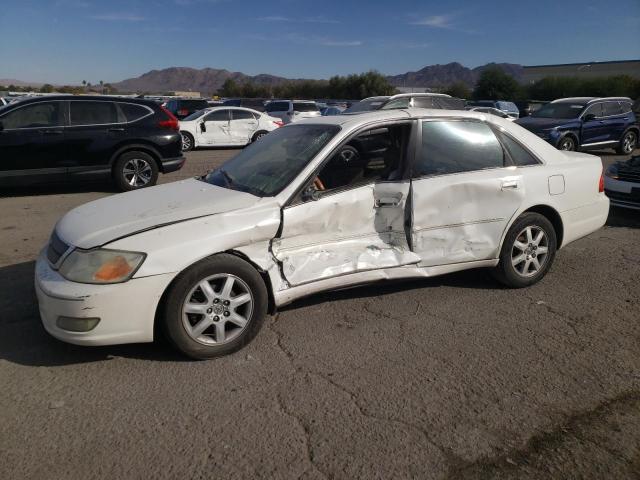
(290, 111)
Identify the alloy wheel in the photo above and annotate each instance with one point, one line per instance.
(137, 172)
(186, 142)
(217, 309)
(530, 251)
(567, 144)
(629, 143)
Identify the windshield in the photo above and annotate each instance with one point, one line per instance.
(267, 166)
(366, 105)
(305, 107)
(194, 116)
(559, 110)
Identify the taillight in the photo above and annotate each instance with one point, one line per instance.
(601, 184)
(171, 123)
(279, 123)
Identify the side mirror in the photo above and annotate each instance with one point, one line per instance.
(589, 117)
(203, 128)
(310, 193)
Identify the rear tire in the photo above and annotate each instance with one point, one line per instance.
(134, 170)
(208, 322)
(258, 135)
(528, 251)
(628, 143)
(188, 142)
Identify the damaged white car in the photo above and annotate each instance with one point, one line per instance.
(321, 204)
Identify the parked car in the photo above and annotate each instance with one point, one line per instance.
(408, 100)
(62, 137)
(183, 107)
(586, 123)
(224, 126)
(292, 110)
(492, 111)
(253, 103)
(509, 108)
(622, 183)
(421, 193)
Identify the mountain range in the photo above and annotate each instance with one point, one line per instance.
(209, 80)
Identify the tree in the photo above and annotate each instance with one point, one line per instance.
(101, 87)
(458, 90)
(46, 88)
(495, 84)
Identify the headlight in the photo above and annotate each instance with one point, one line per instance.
(101, 266)
(612, 172)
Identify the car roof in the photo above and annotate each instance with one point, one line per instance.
(395, 114)
(48, 98)
(402, 95)
(587, 100)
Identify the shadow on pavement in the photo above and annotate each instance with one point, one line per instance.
(623, 217)
(56, 188)
(24, 341)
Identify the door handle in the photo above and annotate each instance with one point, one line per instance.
(116, 129)
(387, 202)
(510, 185)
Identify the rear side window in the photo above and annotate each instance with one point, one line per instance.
(626, 107)
(457, 146)
(424, 102)
(612, 108)
(217, 116)
(133, 112)
(241, 115)
(520, 156)
(92, 113)
(305, 107)
(45, 114)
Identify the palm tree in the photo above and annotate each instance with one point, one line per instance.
(84, 85)
(101, 87)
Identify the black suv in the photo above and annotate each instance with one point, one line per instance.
(183, 107)
(63, 136)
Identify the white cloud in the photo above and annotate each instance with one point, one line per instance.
(435, 21)
(340, 43)
(118, 17)
(281, 18)
(323, 41)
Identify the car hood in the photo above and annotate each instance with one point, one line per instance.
(538, 124)
(102, 221)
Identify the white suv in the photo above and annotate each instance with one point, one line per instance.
(292, 110)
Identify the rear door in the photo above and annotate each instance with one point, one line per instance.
(464, 192)
(593, 129)
(32, 140)
(214, 129)
(615, 120)
(243, 125)
(95, 130)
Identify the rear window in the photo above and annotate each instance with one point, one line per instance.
(366, 105)
(277, 107)
(133, 112)
(305, 107)
(92, 113)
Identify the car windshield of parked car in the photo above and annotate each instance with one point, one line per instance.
(267, 166)
(366, 106)
(194, 116)
(305, 107)
(559, 110)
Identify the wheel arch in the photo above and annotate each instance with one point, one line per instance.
(135, 147)
(546, 211)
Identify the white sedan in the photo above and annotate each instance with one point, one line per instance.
(225, 127)
(317, 205)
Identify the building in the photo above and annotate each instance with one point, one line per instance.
(185, 94)
(533, 73)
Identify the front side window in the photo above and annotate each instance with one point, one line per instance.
(559, 110)
(266, 167)
(218, 116)
(457, 146)
(374, 155)
(92, 113)
(37, 115)
(595, 110)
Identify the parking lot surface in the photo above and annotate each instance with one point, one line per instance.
(443, 378)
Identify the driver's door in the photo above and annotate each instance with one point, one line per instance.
(352, 215)
(214, 129)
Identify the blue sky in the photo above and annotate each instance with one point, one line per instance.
(67, 41)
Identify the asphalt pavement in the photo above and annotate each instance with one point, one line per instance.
(446, 378)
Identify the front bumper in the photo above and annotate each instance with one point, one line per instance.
(173, 164)
(126, 310)
(622, 194)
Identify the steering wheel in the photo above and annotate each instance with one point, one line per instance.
(318, 185)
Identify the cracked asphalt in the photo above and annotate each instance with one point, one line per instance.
(444, 378)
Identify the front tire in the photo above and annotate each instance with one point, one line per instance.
(567, 144)
(215, 307)
(528, 251)
(135, 170)
(188, 142)
(628, 143)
